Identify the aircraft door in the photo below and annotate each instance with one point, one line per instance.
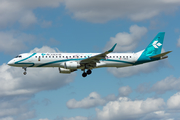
(39, 58)
(135, 56)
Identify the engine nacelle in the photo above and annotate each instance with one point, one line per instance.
(66, 71)
(71, 65)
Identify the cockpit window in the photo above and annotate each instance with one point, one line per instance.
(18, 56)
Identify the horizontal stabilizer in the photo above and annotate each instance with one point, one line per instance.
(160, 55)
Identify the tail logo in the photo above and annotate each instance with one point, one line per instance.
(156, 44)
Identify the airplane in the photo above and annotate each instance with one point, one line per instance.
(70, 62)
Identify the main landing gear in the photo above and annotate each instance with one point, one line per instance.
(88, 72)
(25, 68)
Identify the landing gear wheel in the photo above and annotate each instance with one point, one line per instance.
(89, 72)
(84, 74)
(24, 73)
(25, 68)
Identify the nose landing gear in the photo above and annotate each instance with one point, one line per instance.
(25, 68)
(86, 73)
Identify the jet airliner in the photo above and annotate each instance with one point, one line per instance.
(70, 62)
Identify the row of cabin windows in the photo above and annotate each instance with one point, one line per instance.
(125, 57)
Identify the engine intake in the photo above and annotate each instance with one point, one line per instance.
(71, 65)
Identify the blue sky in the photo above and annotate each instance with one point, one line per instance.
(145, 92)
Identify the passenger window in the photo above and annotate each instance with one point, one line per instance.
(117, 56)
(52, 56)
(63, 56)
(69, 56)
(42, 56)
(46, 56)
(49, 56)
(113, 56)
(129, 56)
(56, 56)
(59, 56)
(35, 56)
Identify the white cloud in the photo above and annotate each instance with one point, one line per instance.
(174, 101)
(93, 11)
(12, 11)
(46, 24)
(143, 88)
(124, 91)
(125, 108)
(13, 42)
(168, 84)
(76, 118)
(137, 69)
(28, 19)
(94, 99)
(100, 11)
(44, 119)
(158, 115)
(7, 118)
(15, 106)
(127, 41)
(44, 49)
(178, 42)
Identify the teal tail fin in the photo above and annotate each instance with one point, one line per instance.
(155, 47)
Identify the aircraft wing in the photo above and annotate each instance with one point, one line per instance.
(96, 58)
(160, 55)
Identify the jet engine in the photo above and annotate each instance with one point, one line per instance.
(66, 71)
(71, 65)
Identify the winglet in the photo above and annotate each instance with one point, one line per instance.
(112, 48)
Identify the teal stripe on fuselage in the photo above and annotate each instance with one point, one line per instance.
(59, 61)
(18, 62)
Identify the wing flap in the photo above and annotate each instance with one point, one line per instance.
(160, 55)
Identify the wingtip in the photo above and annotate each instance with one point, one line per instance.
(112, 48)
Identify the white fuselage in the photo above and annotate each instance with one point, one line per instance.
(58, 59)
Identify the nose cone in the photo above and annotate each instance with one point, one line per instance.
(11, 63)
